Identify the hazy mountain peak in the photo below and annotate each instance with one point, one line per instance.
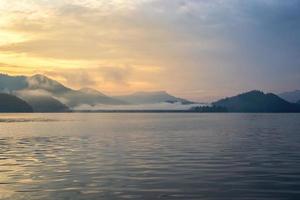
(152, 97)
(91, 91)
(39, 81)
(42, 79)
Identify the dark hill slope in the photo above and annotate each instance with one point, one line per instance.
(257, 101)
(45, 104)
(10, 103)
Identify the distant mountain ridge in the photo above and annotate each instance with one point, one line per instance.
(91, 91)
(47, 95)
(257, 101)
(54, 90)
(41, 94)
(151, 98)
(292, 96)
(68, 96)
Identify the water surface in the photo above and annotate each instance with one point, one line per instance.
(150, 156)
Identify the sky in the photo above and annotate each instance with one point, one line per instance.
(197, 49)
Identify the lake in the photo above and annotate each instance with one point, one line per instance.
(150, 156)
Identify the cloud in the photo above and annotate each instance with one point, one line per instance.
(32, 93)
(78, 31)
(199, 44)
(74, 77)
(115, 76)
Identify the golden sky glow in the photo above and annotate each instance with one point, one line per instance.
(75, 43)
(189, 48)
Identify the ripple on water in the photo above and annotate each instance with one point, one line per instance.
(153, 157)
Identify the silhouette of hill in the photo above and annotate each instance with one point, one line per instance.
(257, 101)
(151, 98)
(10, 103)
(292, 96)
(45, 104)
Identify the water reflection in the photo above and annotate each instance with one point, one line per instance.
(150, 156)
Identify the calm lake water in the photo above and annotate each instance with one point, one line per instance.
(150, 156)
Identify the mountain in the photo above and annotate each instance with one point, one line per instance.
(58, 95)
(257, 101)
(80, 97)
(70, 97)
(11, 83)
(298, 102)
(10, 103)
(91, 91)
(292, 96)
(45, 104)
(41, 82)
(51, 92)
(151, 98)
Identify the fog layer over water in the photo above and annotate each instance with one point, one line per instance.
(152, 106)
(149, 156)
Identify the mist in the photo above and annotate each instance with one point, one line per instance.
(156, 106)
